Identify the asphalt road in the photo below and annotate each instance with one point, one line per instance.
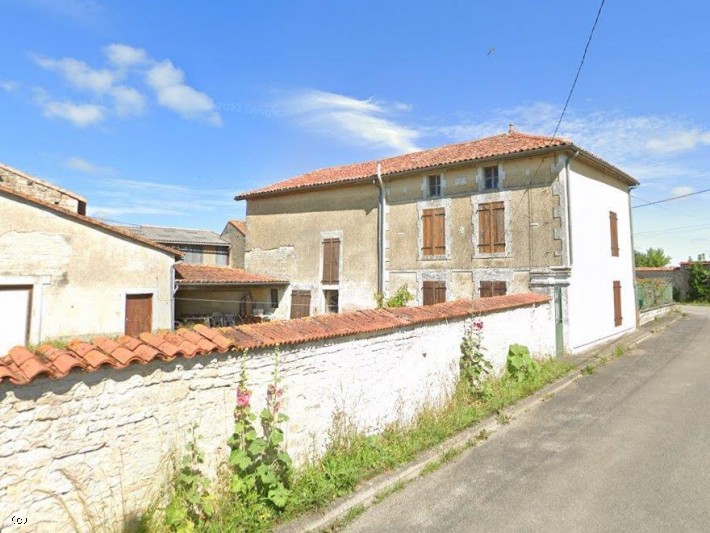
(624, 449)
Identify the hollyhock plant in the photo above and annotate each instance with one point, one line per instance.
(259, 464)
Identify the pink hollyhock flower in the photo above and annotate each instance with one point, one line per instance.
(243, 397)
(477, 325)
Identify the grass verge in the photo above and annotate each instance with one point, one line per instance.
(355, 457)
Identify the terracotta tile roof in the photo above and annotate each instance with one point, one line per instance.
(240, 225)
(505, 144)
(223, 275)
(20, 366)
(88, 220)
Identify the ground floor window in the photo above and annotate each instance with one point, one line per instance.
(331, 301)
(488, 289)
(434, 292)
(300, 304)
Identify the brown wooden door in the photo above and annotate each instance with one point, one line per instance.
(139, 314)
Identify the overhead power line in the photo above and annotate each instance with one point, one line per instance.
(579, 69)
(671, 198)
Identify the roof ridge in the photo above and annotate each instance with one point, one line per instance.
(90, 220)
(498, 145)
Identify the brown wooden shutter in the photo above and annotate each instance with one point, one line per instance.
(331, 261)
(427, 237)
(486, 289)
(614, 229)
(440, 292)
(438, 238)
(434, 292)
(485, 244)
(300, 304)
(491, 228)
(500, 288)
(618, 319)
(498, 227)
(139, 314)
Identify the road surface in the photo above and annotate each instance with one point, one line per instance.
(624, 449)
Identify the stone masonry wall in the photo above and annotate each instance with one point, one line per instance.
(37, 189)
(107, 437)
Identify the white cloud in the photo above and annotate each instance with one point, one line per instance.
(682, 190)
(630, 141)
(79, 74)
(123, 55)
(8, 86)
(127, 101)
(362, 122)
(168, 82)
(120, 197)
(82, 165)
(112, 95)
(81, 115)
(679, 141)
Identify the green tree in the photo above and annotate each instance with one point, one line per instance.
(653, 257)
(698, 282)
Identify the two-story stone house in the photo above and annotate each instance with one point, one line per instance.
(498, 215)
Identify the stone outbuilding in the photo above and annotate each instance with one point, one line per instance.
(65, 274)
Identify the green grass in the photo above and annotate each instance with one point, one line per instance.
(354, 457)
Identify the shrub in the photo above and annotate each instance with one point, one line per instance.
(399, 299)
(520, 364)
(698, 282)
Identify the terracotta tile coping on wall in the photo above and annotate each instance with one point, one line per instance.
(20, 366)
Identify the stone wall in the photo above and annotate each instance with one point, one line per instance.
(108, 437)
(41, 190)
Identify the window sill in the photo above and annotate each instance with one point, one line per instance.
(491, 256)
(444, 257)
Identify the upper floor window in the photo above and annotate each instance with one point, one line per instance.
(491, 228)
(191, 254)
(614, 230)
(490, 175)
(434, 186)
(331, 261)
(434, 231)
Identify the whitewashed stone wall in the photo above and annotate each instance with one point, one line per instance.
(107, 437)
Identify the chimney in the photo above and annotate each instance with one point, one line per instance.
(511, 127)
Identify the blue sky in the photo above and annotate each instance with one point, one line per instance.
(160, 112)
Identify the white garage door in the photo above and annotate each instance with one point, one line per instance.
(14, 316)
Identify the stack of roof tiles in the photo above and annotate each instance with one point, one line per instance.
(20, 366)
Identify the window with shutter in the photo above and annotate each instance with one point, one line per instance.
(614, 230)
(491, 228)
(618, 319)
(300, 304)
(434, 231)
(487, 289)
(331, 261)
(434, 292)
